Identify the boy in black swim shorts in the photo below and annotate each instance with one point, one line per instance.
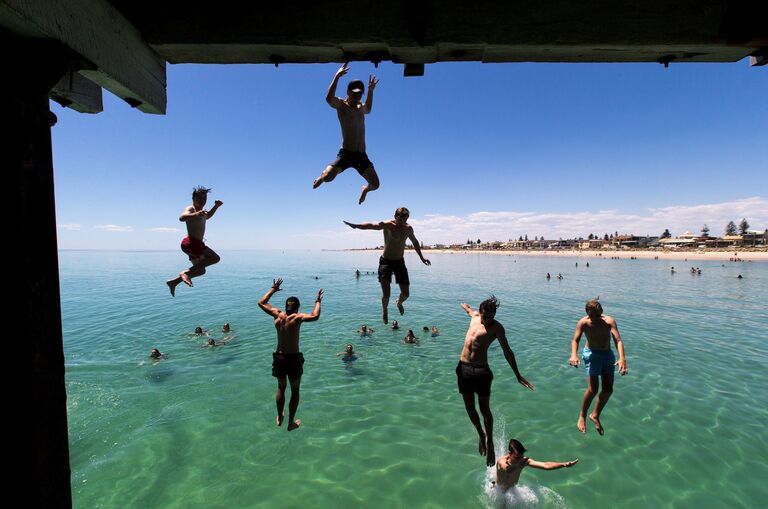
(351, 113)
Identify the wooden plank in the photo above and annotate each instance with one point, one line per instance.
(76, 92)
(123, 63)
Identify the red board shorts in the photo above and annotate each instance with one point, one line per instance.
(193, 247)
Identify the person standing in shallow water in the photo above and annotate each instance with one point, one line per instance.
(475, 376)
(599, 360)
(351, 115)
(287, 360)
(510, 466)
(396, 232)
(199, 254)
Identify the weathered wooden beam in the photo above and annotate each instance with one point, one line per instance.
(122, 62)
(76, 92)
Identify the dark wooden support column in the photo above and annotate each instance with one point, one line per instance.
(39, 420)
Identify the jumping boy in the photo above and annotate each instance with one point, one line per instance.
(199, 254)
(509, 467)
(287, 360)
(351, 115)
(598, 359)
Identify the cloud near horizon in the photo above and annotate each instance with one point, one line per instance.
(72, 227)
(162, 229)
(503, 225)
(113, 228)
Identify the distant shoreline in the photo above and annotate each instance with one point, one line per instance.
(754, 256)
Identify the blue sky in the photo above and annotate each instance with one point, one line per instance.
(473, 150)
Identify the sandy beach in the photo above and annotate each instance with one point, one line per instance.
(747, 256)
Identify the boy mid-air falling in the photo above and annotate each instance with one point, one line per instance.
(199, 254)
(351, 113)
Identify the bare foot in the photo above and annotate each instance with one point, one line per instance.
(385, 315)
(362, 195)
(598, 426)
(481, 445)
(172, 287)
(295, 424)
(279, 419)
(400, 307)
(490, 458)
(317, 182)
(185, 277)
(581, 424)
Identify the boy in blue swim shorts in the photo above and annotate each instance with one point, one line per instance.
(599, 360)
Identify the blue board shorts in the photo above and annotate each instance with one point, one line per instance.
(598, 362)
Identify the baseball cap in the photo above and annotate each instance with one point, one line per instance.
(292, 303)
(355, 86)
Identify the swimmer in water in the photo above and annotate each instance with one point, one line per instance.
(435, 332)
(598, 359)
(425, 329)
(225, 328)
(365, 331)
(410, 338)
(348, 354)
(510, 466)
(395, 325)
(156, 354)
(200, 332)
(473, 374)
(549, 276)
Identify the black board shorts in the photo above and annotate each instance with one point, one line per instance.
(475, 379)
(287, 364)
(396, 267)
(349, 159)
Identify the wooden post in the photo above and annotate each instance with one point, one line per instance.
(38, 413)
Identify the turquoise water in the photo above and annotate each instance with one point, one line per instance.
(685, 427)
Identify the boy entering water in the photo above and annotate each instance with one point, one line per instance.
(598, 359)
(199, 254)
(510, 466)
(287, 360)
(351, 115)
(475, 376)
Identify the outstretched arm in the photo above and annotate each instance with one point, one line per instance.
(372, 82)
(551, 465)
(510, 356)
(330, 96)
(264, 301)
(315, 312)
(417, 248)
(574, 360)
(366, 226)
(622, 362)
(191, 213)
(216, 206)
(468, 309)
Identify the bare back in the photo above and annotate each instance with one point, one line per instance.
(288, 328)
(195, 225)
(394, 240)
(598, 332)
(508, 472)
(352, 120)
(479, 338)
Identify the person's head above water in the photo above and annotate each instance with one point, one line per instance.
(355, 90)
(292, 305)
(401, 215)
(594, 309)
(198, 330)
(211, 342)
(348, 348)
(200, 196)
(225, 328)
(155, 354)
(515, 448)
(488, 309)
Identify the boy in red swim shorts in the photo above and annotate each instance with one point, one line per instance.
(199, 254)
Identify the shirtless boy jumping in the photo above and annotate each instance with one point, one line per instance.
(509, 467)
(199, 254)
(351, 115)
(598, 359)
(474, 374)
(396, 232)
(288, 361)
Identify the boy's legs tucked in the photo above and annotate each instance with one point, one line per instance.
(372, 180)
(206, 259)
(385, 289)
(404, 294)
(593, 385)
(282, 384)
(602, 399)
(293, 405)
(327, 175)
(485, 409)
(469, 405)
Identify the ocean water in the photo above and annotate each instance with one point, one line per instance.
(686, 428)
